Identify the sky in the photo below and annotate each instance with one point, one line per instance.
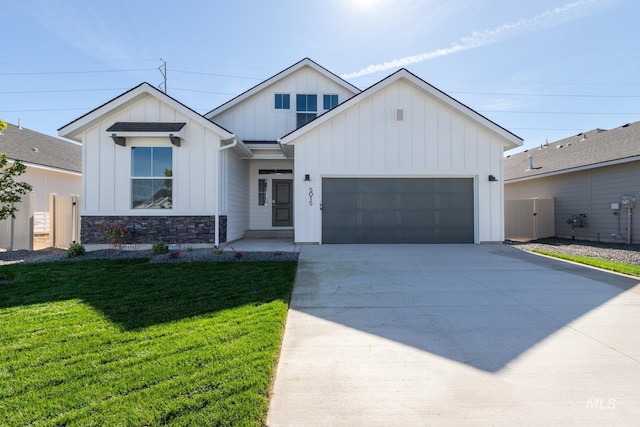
(543, 69)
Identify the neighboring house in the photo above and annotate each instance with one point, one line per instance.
(53, 166)
(303, 151)
(593, 177)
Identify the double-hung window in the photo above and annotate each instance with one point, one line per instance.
(306, 108)
(329, 101)
(282, 101)
(151, 177)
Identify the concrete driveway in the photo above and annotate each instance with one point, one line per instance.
(381, 335)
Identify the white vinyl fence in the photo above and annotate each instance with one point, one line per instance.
(62, 223)
(529, 219)
(64, 218)
(17, 233)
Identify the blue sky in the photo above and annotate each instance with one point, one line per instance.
(543, 69)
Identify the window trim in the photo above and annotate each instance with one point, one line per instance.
(330, 97)
(281, 105)
(152, 178)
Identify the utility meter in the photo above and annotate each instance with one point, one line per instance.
(628, 201)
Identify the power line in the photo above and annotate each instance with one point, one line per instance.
(37, 73)
(546, 94)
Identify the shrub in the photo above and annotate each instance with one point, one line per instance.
(159, 248)
(115, 234)
(75, 249)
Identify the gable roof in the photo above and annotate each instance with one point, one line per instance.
(74, 129)
(404, 74)
(40, 150)
(306, 62)
(585, 150)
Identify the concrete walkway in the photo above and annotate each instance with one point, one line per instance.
(415, 335)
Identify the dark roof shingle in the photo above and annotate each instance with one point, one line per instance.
(37, 148)
(582, 150)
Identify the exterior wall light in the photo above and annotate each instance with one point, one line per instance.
(492, 178)
(307, 178)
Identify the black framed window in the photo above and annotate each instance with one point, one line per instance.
(151, 177)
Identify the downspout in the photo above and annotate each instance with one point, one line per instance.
(217, 213)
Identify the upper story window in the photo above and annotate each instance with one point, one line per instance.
(306, 108)
(282, 101)
(151, 177)
(329, 101)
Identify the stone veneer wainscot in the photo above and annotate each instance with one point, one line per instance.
(149, 229)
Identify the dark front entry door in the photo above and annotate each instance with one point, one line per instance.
(282, 206)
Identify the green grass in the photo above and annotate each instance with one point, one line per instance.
(618, 267)
(129, 343)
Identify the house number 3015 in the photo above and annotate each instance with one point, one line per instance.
(310, 196)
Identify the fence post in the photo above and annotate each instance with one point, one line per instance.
(52, 222)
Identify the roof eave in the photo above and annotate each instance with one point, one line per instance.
(306, 62)
(511, 140)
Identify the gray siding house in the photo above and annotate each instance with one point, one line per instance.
(594, 178)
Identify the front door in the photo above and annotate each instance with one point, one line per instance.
(282, 206)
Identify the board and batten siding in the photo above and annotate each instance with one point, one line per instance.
(589, 192)
(234, 195)
(259, 120)
(106, 167)
(432, 141)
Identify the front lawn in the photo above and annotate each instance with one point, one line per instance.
(126, 342)
(618, 267)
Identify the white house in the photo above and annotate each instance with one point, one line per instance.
(303, 151)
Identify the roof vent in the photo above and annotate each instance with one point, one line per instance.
(559, 146)
(626, 126)
(35, 150)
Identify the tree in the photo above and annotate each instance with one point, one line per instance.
(11, 191)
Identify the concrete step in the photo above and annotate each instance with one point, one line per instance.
(268, 234)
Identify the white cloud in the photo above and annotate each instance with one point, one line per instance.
(548, 18)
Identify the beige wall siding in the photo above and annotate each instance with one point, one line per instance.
(46, 181)
(433, 141)
(589, 192)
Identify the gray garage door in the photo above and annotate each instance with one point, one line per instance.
(397, 210)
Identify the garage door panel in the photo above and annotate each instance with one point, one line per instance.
(340, 185)
(416, 201)
(340, 234)
(456, 218)
(378, 218)
(377, 201)
(340, 219)
(417, 218)
(376, 185)
(398, 210)
(341, 201)
(455, 235)
(453, 201)
(417, 235)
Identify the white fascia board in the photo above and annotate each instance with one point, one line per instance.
(74, 129)
(512, 140)
(278, 77)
